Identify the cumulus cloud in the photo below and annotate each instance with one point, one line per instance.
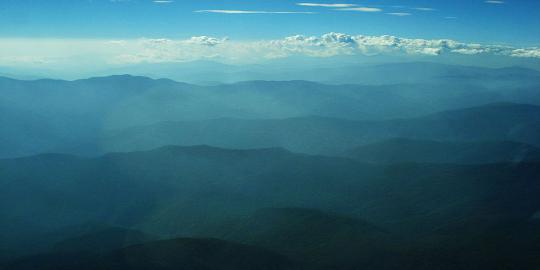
(526, 53)
(168, 50)
(24, 52)
(327, 45)
(205, 40)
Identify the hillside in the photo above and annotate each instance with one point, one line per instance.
(74, 116)
(407, 150)
(102, 241)
(182, 253)
(182, 190)
(330, 136)
(386, 210)
(308, 239)
(316, 238)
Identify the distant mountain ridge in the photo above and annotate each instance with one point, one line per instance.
(74, 116)
(329, 136)
(375, 73)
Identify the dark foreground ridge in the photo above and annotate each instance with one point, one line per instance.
(291, 210)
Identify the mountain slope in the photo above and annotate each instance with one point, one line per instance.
(23, 239)
(180, 190)
(183, 253)
(312, 240)
(329, 136)
(73, 116)
(406, 150)
(316, 238)
(189, 191)
(102, 241)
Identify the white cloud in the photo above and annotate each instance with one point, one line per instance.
(424, 8)
(327, 45)
(228, 11)
(162, 1)
(361, 9)
(205, 40)
(526, 53)
(400, 14)
(93, 53)
(494, 2)
(326, 5)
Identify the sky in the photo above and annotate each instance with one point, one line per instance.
(109, 32)
(515, 22)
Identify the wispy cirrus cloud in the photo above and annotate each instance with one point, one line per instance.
(230, 11)
(163, 1)
(341, 6)
(399, 14)
(424, 8)
(332, 6)
(496, 2)
(361, 9)
(326, 5)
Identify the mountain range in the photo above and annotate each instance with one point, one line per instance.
(331, 136)
(206, 192)
(372, 73)
(414, 166)
(406, 150)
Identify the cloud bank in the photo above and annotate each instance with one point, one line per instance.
(35, 52)
(327, 45)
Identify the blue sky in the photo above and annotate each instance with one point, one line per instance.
(513, 22)
(85, 36)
